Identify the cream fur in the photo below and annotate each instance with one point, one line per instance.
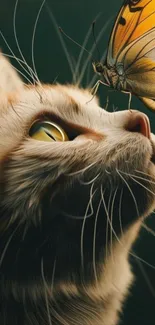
(112, 146)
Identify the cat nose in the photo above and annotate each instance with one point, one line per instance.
(139, 122)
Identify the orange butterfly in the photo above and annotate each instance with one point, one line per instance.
(130, 61)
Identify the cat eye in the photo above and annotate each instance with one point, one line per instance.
(47, 131)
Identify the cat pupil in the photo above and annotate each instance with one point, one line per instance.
(49, 134)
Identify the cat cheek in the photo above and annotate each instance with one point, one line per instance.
(153, 137)
(89, 136)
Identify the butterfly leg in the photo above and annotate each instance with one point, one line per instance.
(96, 86)
(95, 89)
(130, 98)
(107, 103)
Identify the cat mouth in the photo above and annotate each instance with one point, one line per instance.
(152, 159)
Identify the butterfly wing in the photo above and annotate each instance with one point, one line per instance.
(130, 25)
(138, 59)
(132, 44)
(150, 103)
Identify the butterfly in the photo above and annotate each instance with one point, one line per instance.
(130, 60)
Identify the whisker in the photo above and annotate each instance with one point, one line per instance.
(57, 315)
(109, 214)
(94, 241)
(136, 206)
(111, 220)
(33, 39)
(22, 74)
(12, 106)
(25, 232)
(139, 263)
(89, 205)
(139, 171)
(103, 200)
(7, 245)
(46, 289)
(53, 274)
(152, 232)
(142, 260)
(91, 181)
(19, 62)
(107, 223)
(24, 105)
(80, 170)
(130, 253)
(120, 214)
(109, 202)
(61, 39)
(83, 226)
(16, 40)
(142, 178)
(133, 178)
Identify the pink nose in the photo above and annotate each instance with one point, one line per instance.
(139, 122)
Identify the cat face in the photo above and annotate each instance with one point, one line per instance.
(68, 207)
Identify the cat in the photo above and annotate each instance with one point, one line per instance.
(76, 183)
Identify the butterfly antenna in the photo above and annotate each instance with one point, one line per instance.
(95, 41)
(71, 39)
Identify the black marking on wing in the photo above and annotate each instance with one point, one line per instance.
(138, 52)
(140, 57)
(122, 21)
(135, 9)
(147, 17)
(132, 8)
(128, 41)
(115, 28)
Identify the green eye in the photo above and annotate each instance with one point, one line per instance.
(47, 131)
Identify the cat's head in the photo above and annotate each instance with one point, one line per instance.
(73, 179)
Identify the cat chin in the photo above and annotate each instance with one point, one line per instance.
(151, 164)
(153, 147)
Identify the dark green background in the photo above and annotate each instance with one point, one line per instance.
(75, 17)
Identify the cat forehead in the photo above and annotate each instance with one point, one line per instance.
(59, 95)
(66, 101)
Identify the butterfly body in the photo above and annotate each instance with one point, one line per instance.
(114, 76)
(130, 61)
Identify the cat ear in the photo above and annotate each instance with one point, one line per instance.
(10, 82)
